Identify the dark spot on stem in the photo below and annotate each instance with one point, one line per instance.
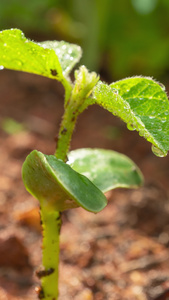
(44, 273)
(56, 138)
(59, 221)
(58, 217)
(40, 292)
(53, 72)
(64, 131)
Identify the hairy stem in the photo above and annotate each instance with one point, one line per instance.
(79, 100)
(51, 220)
(65, 133)
(51, 223)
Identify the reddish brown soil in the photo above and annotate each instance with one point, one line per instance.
(119, 254)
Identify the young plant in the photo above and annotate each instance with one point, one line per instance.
(80, 178)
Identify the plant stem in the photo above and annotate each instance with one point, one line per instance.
(65, 133)
(78, 101)
(51, 223)
(51, 220)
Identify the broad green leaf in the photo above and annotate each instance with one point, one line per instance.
(51, 59)
(56, 185)
(143, 104)
(105, 168)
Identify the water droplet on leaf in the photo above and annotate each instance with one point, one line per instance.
(157, 151)
(130, 127)
(115, 91)
(70, 51)
(64, 47)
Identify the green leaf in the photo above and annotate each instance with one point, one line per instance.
(57, 186)
(143, 104)
(105, 168)
(51, 59)
(68, 54)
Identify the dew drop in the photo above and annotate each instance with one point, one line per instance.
(67, 56)
(115, 91)
(64, 47)
(19, 63)
(70, 51)
(130, 127)
(157, 151)
(58, 51)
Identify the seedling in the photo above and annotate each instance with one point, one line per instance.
(66, 179)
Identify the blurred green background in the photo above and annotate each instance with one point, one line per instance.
(119, 38)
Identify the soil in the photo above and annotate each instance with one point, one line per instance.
(119, 254)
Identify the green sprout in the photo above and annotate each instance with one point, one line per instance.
(79, 178)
